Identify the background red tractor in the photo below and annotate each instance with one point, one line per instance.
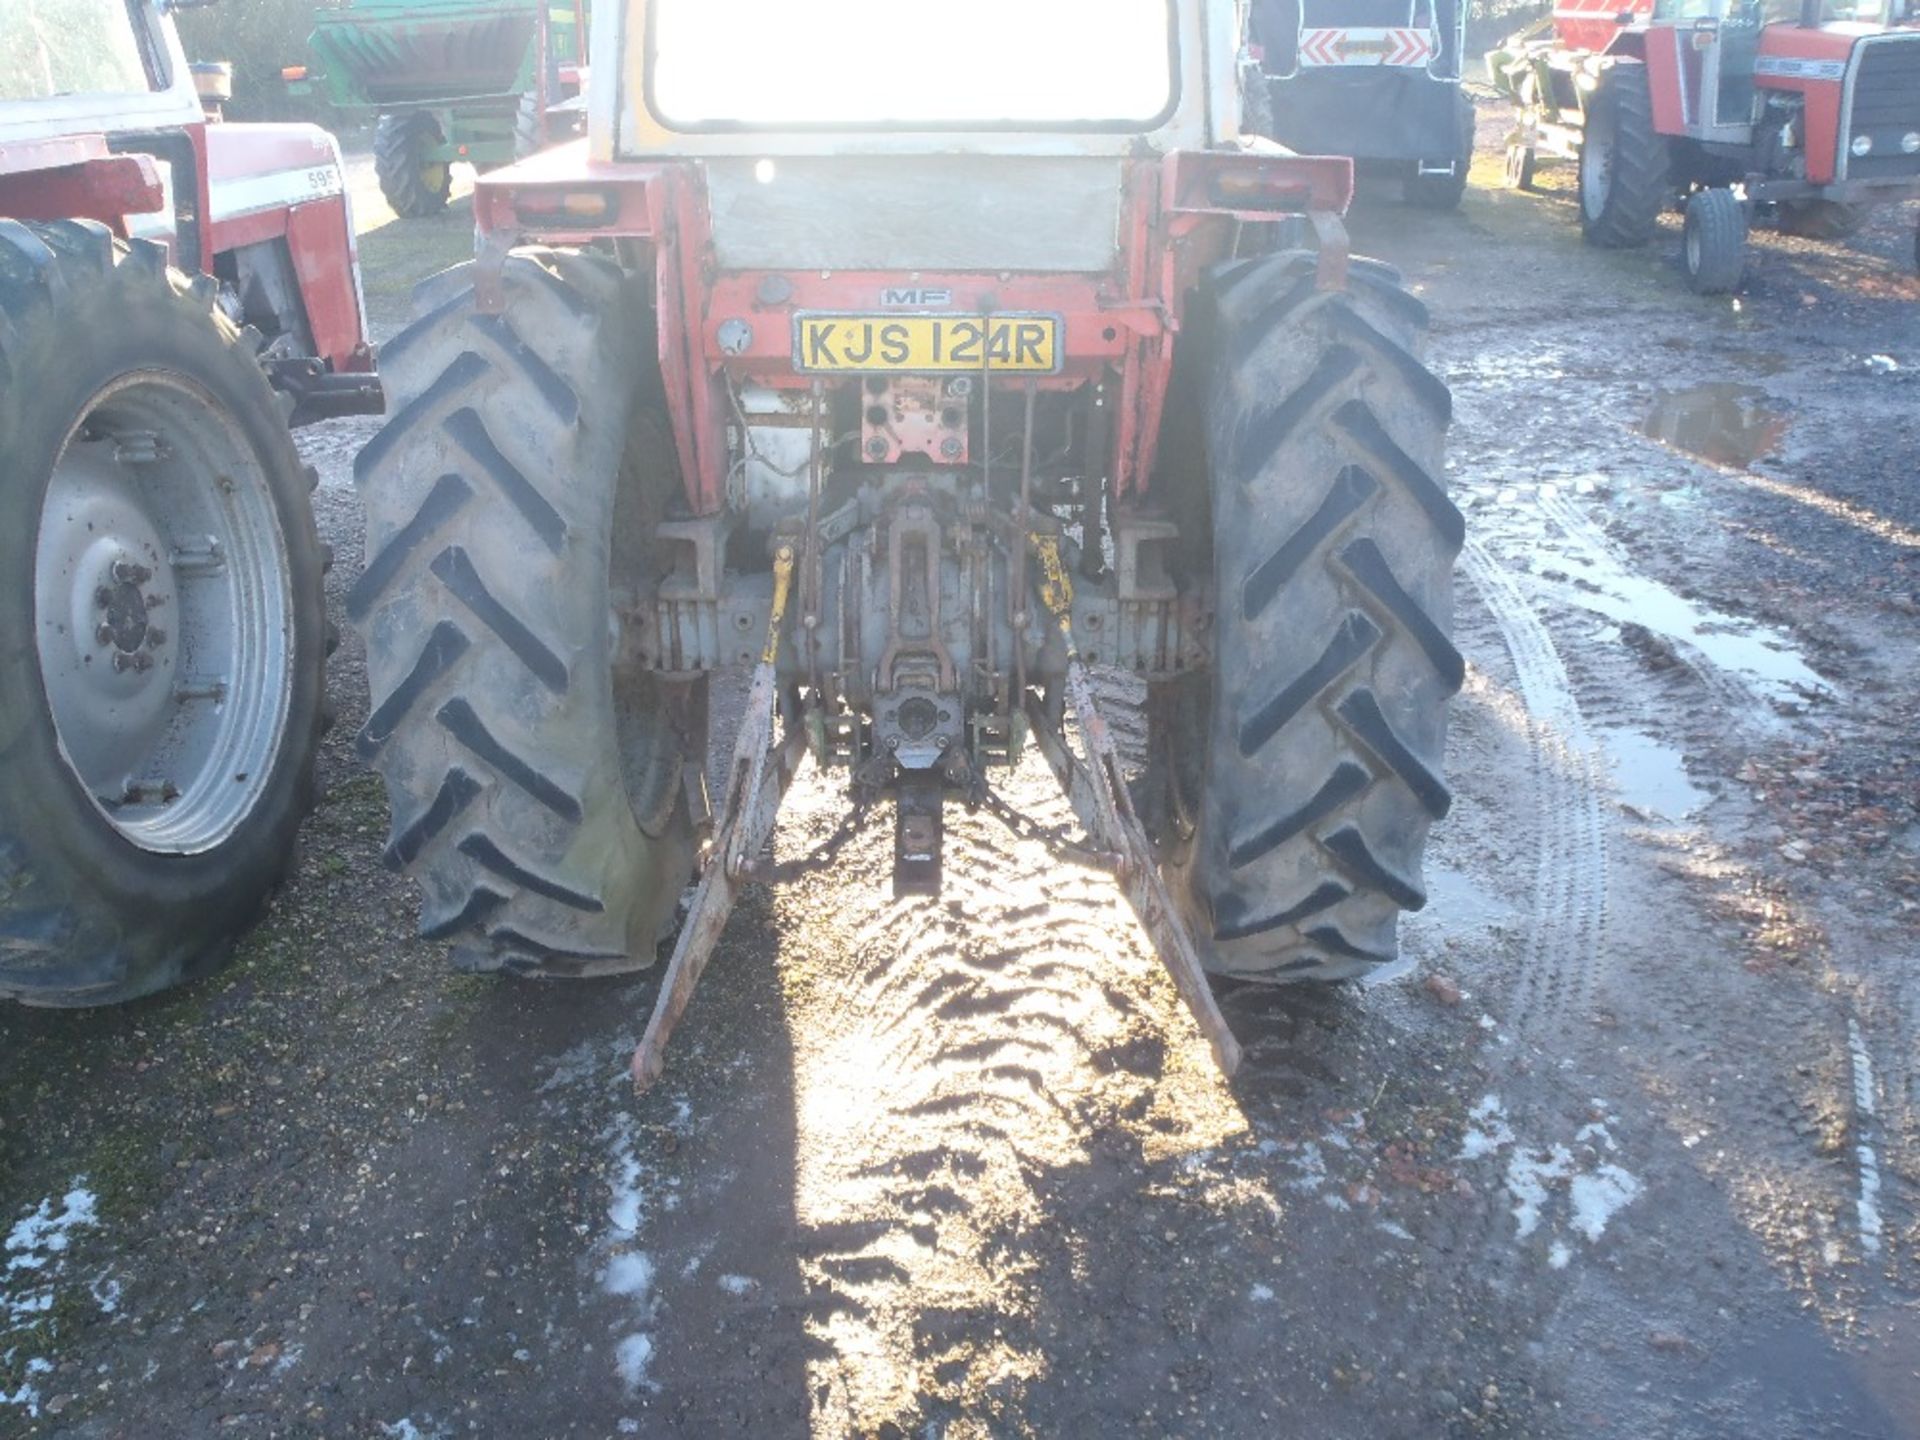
(1805, 111)
(172, 295)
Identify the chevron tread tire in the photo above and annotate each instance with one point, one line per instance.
(1625, 171)
(1307, 764)
(400, 146)
(88, 914)
(536, 795)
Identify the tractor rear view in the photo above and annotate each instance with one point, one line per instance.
(1805, 112)
(914, 380)
(172, 295)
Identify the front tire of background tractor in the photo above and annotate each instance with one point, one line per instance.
(163, 630)
(1624, 167)
(1521, 162)
(1821, 219)
(1301, 771)
(415, 184)
(1715, 243)
(537, 795)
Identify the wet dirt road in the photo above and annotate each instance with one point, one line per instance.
(1641, 1161)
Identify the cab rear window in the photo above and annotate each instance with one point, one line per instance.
(70, 47)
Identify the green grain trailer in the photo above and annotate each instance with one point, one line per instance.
(448, 80)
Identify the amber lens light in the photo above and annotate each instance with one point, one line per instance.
(587, 207)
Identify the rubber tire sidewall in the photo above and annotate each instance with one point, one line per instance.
(162, 916)
(1716, 225)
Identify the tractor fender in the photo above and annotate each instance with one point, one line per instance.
(279, 211)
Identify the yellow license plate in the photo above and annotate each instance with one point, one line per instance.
(865, 344)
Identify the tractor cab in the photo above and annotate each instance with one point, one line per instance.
(1714, 47)
(1378, 80)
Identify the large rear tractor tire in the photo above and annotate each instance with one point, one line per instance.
(1624, 170)
(537, 795)
(415, 183)
(163, 631)
(1303, 769)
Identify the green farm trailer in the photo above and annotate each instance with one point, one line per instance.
(482, 81)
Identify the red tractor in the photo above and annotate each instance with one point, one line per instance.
(1805, 111)
(916, 371)
(172, 295)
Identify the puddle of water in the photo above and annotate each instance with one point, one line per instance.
(1601, 582)
(1651, 777)
(1457, 905)
(1722, 422)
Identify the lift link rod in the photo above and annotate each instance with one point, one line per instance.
(1099, 795)
(755, 786)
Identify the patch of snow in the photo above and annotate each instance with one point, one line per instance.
(1260, 1294)
(738, 1284)
(37, 1250)
(1867, 1202)
(1312, 1168)
(1587, 1134)
(629, 1274)
(1490, 1130)
(289, 1357)
(106, 1292)
(631, 1358)
(44, 1233)
(1396, 1230)
(1596, 1189)
(1598, 1197)
(405, 1429)
(1529, 1173)
(626, 1203)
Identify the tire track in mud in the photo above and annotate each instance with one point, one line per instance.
(950, 1057)
(1781, 1122)
(1565, 947)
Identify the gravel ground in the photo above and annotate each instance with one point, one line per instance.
(1630, 1147)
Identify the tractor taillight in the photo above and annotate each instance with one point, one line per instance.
(586, 207)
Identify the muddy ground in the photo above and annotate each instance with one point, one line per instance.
(1629, 1148)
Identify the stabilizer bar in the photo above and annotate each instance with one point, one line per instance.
(755, 785)
(1098, 793)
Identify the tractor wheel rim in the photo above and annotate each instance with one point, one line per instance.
(162, 614)
(433, 175)
(1596, 172)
